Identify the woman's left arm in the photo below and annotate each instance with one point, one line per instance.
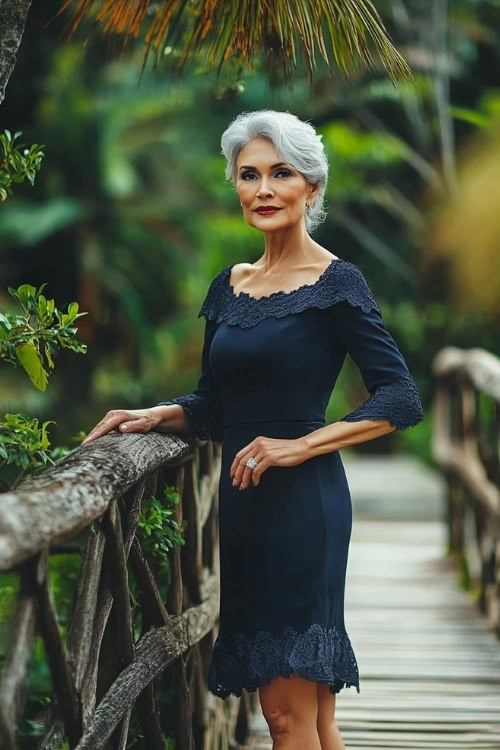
(394, 401)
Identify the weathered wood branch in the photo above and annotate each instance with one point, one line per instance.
(465, 440)
(461, 456)
(23, 631)
(13, 16)
(84, 612)
(158, 648)
(62, 679)
(101, 487)
(48, 508)
(481, 367)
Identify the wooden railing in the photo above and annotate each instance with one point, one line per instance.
(92, 499)
(466, 446)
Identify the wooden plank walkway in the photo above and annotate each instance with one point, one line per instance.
(429, 666)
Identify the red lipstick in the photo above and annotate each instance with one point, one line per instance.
(267, 210)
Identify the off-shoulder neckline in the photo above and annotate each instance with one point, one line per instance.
(280, 292)
(340, 281)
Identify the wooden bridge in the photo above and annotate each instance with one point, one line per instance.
(429, 664)
(131, 663)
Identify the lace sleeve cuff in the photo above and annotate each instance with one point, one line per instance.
(398, 402)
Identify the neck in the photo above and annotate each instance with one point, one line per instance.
(288, 247)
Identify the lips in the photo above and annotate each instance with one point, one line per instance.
(267, 210)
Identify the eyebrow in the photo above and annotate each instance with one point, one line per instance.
(279, 164)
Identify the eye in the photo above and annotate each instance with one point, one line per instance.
(286, 172)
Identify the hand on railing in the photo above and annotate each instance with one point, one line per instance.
(126, 420)
(164, 418)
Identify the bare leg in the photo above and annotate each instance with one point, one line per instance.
(290, 707)
(328, 730)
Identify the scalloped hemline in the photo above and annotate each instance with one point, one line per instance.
(320, 654)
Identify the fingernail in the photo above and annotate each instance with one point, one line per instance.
(241, 486)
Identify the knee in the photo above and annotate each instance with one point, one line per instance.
(281, 722)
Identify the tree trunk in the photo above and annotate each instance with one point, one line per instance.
(13, 15)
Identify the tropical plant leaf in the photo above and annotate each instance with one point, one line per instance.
(31, 361)
(235, 29)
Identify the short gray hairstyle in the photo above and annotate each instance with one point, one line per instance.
(296, 142)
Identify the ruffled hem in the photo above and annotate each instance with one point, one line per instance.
(319, 654)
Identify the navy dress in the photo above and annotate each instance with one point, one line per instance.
(269, 366)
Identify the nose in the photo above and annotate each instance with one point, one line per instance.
(264, 188)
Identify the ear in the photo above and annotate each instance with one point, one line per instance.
(313, 192)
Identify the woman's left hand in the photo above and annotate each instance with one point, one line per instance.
(267, 452)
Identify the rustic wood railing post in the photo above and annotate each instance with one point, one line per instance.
(465, 445)
(97, 491)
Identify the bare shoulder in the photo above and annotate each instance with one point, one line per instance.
(240, 272)
(322, 254)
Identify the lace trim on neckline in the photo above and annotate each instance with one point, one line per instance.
(281, 292)
(340, 281)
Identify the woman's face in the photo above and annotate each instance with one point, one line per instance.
(264, 180)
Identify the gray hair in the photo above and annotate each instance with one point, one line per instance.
(296, 142)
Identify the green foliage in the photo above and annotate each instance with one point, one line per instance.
(41, 329)
(8, 596)
(63, 575)
(29, 222)
(23, 442)
(160, 532)
(17, 163)
(25, 448)
(32, 725)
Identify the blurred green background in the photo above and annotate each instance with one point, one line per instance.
(131, 216)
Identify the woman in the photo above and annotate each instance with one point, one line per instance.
(277, 333)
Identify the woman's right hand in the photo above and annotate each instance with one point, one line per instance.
(126, 420)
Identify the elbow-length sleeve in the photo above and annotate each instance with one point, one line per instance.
(359, 328)
(204, 406)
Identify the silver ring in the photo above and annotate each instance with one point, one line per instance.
(252, 463)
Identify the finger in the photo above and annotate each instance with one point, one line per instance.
(137, 425)
(241, 454)
(99, 430)
(241, 466)
(247, 471)
(259, 470)
(105, 425)
(237, 458)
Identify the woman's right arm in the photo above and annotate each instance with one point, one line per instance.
(171, 418)
(200, 413)
(203, 408)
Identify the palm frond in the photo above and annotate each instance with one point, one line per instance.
(223, 29)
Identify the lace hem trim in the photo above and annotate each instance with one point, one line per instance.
(320, 654)
(341, 281)
(397, 402)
